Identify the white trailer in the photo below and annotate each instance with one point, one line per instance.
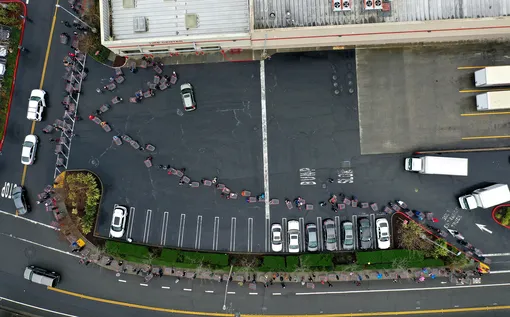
(486, 197)
(437, 165)
(493, 76)
(493, 100)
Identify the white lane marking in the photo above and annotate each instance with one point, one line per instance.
(198, 233)
(187, 289)
(210, 292)
(216, 232)
(142, 284)
(233, 223)
(250, 234)
(29, 220)
(123, 281)
(496, 254)
(231, 293)
(165, 287)
(277, 294)
(40, 245)
(404, 289)
(147, 226)
(36, 307)
(131, 222)
(266, 236)
(253, 293)
(164, 228)
(180, 237)
(500, 272)
(263, 112)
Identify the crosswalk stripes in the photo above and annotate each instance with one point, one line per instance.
(180, 237)
(233, 223)
(164, 228)
(198, 232)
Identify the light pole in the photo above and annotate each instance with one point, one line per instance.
(424, 237)
(94, 30)
(226, 288)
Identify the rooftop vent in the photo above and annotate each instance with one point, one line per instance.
(139, 24)
(341, 5)
(191, 21)
(128, 4)
(373, 4)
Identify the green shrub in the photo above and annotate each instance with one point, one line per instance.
(125, 250)
(170, 256)
(292, 263)
(317, 261)
(388, 256)
(273, 263)
(207, 259)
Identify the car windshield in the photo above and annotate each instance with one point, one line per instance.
(28, 144)
(348, 241)
(312, 244)
(25, 159)
(384, 239)
(116, 227)
(34, 98)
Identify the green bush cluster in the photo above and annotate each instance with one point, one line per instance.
(388, 256)
(83, 189)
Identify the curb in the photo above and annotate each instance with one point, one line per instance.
(24, 6)
(493, 214)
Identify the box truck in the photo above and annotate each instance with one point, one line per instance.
(493, 100)
(485, 197)
(493, 76)
(437, 165)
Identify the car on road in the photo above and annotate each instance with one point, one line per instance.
(293, 232)
(347, 236)
(36, 105)
(28, 150)
(118, 222)
(276, 237)
(383, 233)
(188, 97)
(20, 201)
(312, 244)
(365, 233)
(329, 234)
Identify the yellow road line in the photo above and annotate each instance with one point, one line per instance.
(41, 83)
(471, 67)
(486, 137)
(488, 113)
(482, 90)
(487, 149)
(197, 313)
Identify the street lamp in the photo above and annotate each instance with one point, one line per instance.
(424, 237)
(226, 288)
(94, 30)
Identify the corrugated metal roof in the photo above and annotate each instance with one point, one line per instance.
(298, 13)
(166, 18)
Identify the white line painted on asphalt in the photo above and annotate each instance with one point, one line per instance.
(180, 237)
(142, 284)
(253, 293)
(250, 234)
(40, 245)
(147, 227)
(233, 223)
(187, 289)
(496, 254)
(404, 289)
(164, 228)
(265, 155)
(123, 281)
(165, 287)
(131, 222)
(198, 233)
(231, 293)
(210, 292)
(29, 220)
(500, 272)
(216, 232)
(277, 294)
(36, 307)
(266, 236)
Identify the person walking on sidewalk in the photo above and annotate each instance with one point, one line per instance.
(23, 49)
(24, 17)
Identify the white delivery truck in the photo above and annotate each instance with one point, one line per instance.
(493, 100)
(493, 76)
(485, 197)
(437, 165)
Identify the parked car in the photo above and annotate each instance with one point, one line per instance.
(276, 237)
(188, 97)
(118, 222)
(293, 233)
(365, 233)
(383, 233)
(347, 236)
(20, 201)
(329, 234)
(28, 150)
(36, 105)
(312, 244)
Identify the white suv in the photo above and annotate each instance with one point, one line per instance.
(188, 97)
(118, 222)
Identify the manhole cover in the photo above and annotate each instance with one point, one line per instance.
(94, 161)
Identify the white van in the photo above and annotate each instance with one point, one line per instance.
(36, 105)
(41, 276)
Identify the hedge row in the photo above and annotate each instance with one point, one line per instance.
(307, 262)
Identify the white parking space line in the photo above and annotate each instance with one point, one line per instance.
(210, 292)
(216, 232)
(131, 221)
(284, 235)
(180, 237)
(263, 112)
(355, 231)
(187, 289)
(338, 233)
(268, 235)
(250, 234)
(374, 231)
(320, 234)
(233, 222)
(198, 233)
(147, 226)
(164, 228)
(123, 281)
(302, 234)
(142, 284)
(165, 287)
(253, 293)
(231, 293)
(277, 294)
(496, 254)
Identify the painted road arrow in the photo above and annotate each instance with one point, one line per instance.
(483, 228)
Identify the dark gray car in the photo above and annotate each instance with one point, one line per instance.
(330, 235)
(311, 237)
(20, 202)
(348, 236)
(365, 233)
